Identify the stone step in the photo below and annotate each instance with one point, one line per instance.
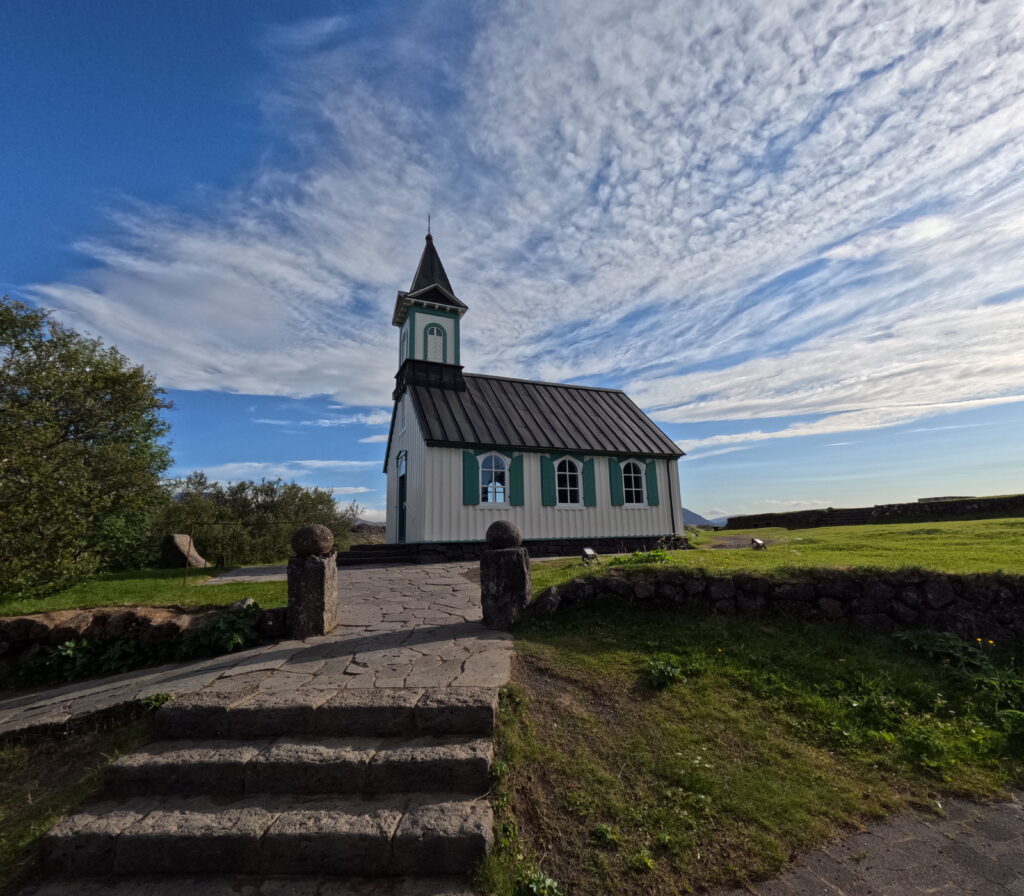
(217, 885)
(354, 712)
(306, 765)
(418, 836)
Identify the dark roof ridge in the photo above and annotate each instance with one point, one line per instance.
(513, 379)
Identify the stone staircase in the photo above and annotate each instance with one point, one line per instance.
(377, 791)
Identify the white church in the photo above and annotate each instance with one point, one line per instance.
(572, 466)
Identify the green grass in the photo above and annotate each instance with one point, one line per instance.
(151, 587)
(42, 781)
(657, 752)
(964, 546)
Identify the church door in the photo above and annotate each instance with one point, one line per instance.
(401, 509)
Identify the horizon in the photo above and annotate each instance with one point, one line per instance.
(792, 235)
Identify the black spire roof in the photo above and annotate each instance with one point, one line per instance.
(430, 286)
(430, 271)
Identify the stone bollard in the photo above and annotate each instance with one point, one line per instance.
(312, 583)
(505, 582)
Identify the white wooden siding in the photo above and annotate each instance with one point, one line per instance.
(445, 518)
(410, 441)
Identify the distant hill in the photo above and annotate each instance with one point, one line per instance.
(691, 518)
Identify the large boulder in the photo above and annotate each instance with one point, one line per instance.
(178, 551)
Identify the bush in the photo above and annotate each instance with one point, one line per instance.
(249, 522)
(82, 454)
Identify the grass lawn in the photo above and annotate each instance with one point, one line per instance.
(151, 587)
(769, 737)
(42, 781)
(964, 546)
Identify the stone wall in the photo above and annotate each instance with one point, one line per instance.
(435, 552)
(21, 637)
(915, 512)
(983, 605)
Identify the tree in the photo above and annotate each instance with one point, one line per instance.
(80, 453)
(251, 522)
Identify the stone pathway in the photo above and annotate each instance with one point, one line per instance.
(350, 764)
(975, 849)
(403, 626)
(245, 574)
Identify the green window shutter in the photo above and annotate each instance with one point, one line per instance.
(470, 478)
(615, 481)
(548, 494)
(589, 486)
(652, 483)
(515, 481)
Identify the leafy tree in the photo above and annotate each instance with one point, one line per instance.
(251, 522)
(80, 453)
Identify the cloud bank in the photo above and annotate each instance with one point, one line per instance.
(736, 211)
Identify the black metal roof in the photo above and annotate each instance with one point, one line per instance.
(493, 411)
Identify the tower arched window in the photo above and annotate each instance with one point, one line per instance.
(567, 482)
(493, 480)
(632, 483)
(435, 339)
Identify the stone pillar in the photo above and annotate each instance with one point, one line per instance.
(312, 583)
(505, 582)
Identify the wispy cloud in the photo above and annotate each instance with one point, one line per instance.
(379, 437)
(290, 469)
(736, 211)
(371, 418)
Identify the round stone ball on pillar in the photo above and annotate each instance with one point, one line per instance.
(315, 540)
(503, 534)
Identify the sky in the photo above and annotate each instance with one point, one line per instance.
(792, 232)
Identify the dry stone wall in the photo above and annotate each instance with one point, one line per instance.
(915, 512)
(984, 605)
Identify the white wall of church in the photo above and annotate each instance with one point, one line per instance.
(443, 516)
(410, 441)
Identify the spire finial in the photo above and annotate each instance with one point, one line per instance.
(428, 223)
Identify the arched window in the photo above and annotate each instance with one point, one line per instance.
(567, 481)
(435, 339)
(632, 483)
(493, 480)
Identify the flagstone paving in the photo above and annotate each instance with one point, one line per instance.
(403, 626)
(975, 849)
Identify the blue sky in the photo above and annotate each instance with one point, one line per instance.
(793, 232)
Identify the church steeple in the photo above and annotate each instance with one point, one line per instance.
(430, 271)
(429, 313)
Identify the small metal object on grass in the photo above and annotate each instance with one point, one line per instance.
(590, 556)
(758, 545)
